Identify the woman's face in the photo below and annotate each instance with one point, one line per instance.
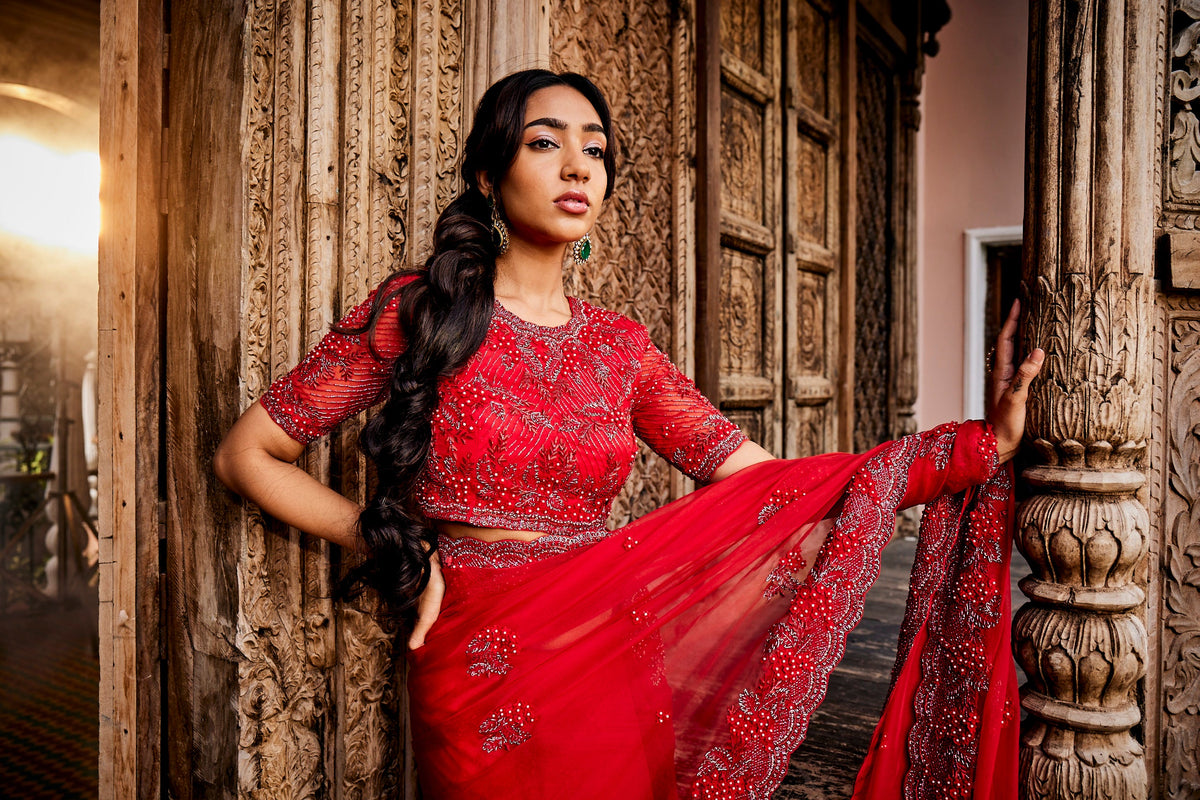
(554, 189)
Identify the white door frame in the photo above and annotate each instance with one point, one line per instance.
(975, 244)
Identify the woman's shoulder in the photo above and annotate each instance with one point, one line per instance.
(615, 323)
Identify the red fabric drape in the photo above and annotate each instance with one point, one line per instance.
(683, 655)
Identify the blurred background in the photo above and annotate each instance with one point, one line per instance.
(49, 223)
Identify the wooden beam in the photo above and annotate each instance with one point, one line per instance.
(848, 212)
(708, 198)
(130, 272)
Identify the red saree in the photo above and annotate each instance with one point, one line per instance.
(683, 655)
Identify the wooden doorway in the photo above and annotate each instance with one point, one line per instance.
(817, 311)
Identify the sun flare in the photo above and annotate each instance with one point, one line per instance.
(49, 197)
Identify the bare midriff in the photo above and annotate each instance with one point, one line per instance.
(458, 530)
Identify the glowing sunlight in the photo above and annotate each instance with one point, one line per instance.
(49, 197)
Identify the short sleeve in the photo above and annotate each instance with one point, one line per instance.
(339, 377)
(677, 421)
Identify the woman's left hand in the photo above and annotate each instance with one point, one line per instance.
(1008, 388)
(430, 603)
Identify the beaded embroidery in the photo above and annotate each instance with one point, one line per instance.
(507, 728)
(954, 675)
(490, 652)
(468, 551)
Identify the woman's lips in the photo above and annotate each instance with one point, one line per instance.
(573, 203)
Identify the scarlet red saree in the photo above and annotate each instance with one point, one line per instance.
(683, 655)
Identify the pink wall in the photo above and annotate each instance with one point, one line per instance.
(970, 152)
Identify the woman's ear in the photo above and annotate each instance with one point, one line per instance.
(484, 183)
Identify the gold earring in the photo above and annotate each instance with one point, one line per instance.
(499, 228)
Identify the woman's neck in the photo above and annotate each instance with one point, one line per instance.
(531, 277)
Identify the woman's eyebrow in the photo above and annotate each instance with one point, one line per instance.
(558, 124)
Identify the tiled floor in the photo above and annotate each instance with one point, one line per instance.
(49, 721)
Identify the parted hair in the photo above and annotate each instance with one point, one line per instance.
(444, 309)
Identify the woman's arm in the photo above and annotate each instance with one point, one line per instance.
(747, 454)
(255, 460)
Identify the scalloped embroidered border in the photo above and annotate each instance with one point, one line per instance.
(769, 722)
(470, 552)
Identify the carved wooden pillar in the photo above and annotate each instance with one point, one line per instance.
(1088, 246)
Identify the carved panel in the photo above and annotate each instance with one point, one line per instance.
(374, 202)
(742, 31)
(873, 279)
(1178, 507)
(810, 315)
(626, 48)
(742, 176)
(279, 693)
(812, 164)
(394, 171)
(750, 420)
(742, 313)
(808, 425)
(812, 219)
(1183, 186)
(450, 58)
(812, 56)
(752, 372)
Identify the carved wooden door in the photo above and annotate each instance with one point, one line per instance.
(817, 214)
(812, 266)
(751, 257)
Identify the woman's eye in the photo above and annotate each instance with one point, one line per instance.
(542, 144)
(595, 151)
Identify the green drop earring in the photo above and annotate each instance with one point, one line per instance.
(581, 251)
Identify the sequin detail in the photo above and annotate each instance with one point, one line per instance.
(490, 652)
(648, 644)
(508, 727)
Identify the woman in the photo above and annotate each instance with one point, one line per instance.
(679, 656)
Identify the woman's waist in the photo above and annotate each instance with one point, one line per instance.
(456, 529)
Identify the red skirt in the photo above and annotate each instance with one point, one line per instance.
(684, 654)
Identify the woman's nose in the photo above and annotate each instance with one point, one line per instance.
(576, 168)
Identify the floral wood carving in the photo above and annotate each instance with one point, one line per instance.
(330, 204)
(1098, 367)
(1184, 184)
(742, 284)
(450, 100)
(1180, 562)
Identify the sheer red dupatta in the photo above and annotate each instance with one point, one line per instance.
(683, 655)
(950, 727)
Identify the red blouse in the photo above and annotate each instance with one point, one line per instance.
(536, 431)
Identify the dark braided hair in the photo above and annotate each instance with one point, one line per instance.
(444, 310)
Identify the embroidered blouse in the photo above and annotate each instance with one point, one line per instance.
(536, 431)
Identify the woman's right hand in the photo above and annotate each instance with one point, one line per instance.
(429, 605)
